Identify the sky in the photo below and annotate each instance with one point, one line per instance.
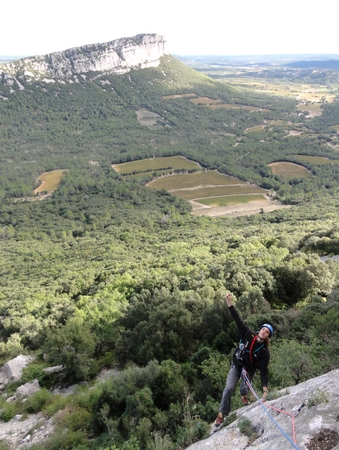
(205, 27)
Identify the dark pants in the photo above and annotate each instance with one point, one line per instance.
(233, 377)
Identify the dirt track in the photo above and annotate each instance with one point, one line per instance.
(243, 209)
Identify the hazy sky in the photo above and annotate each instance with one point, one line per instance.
(210, 27)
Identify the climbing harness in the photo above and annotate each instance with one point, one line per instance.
(293, 443)
(242, 349)
(251, 349)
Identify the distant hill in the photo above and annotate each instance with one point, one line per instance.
(328, 64)
(9, 58)
(236, 60)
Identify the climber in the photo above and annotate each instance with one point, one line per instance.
(252, 354)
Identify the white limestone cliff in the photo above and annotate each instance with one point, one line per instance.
(118, 56)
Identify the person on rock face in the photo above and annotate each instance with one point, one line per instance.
(252, 354)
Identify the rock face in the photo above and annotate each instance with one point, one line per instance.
(118, 56)
(12, 370)
(21, 433)
(318, 415)
(28, 389)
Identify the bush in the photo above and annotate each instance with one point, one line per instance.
(245, 427)
(66, 441)
(73, 418)
(55, 404)
(8, 411)
(38, 401)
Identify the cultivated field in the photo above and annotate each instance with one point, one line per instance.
(165, 164)
(289, 170)
(223, 193)
(240, 209)
(212, 103)
(169, 97)
(208, 191)
(49, 181)
(254, 129)
(215, 194)
(313, 109)
(231, 200)
(217, 103)
(309, 97)
(206, 101)
(196, 180)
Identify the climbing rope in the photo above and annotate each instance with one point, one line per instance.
(293, 443)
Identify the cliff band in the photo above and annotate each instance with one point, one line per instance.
(118, 56)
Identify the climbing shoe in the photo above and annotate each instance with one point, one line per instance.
(245, 400)
(219, 420)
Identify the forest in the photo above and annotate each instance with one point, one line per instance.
(108, 274)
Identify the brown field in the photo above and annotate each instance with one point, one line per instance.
(305, 92)
(313, 109)
(242, 209)
(148, 118)
(294, 133)
(205, 101)
(216, 104)
(237, 191)
(169, 97)
(156, 164)
(193, 180)
(209, 192)
(289, 170)
(230, 106)
(230, 200)
(50, 180)
(254, 129)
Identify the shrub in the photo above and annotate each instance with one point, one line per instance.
(73, 418)
(8, 411)
(37, 401)
(245, 427)
(55, 404)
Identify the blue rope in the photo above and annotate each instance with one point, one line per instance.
(244, 375)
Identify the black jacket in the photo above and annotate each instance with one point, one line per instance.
(259, 356)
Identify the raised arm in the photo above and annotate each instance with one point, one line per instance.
(228, 300)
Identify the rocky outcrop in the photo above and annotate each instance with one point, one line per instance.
(314, 404)
(28, 389)
(22, 433)
(12, 370)
(118, 56)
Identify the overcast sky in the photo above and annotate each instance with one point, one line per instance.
(207, 27)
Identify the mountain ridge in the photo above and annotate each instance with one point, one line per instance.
(118, 56)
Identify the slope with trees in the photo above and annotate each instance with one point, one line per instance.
(108, 273)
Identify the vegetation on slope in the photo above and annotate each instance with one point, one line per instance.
(108, 273)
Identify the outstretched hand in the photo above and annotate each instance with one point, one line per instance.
(228, 299)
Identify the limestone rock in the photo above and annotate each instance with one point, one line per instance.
(118, 56)
(54, 369)
(318, 402)
(33, 430)
(12, 370)
(27, 389)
